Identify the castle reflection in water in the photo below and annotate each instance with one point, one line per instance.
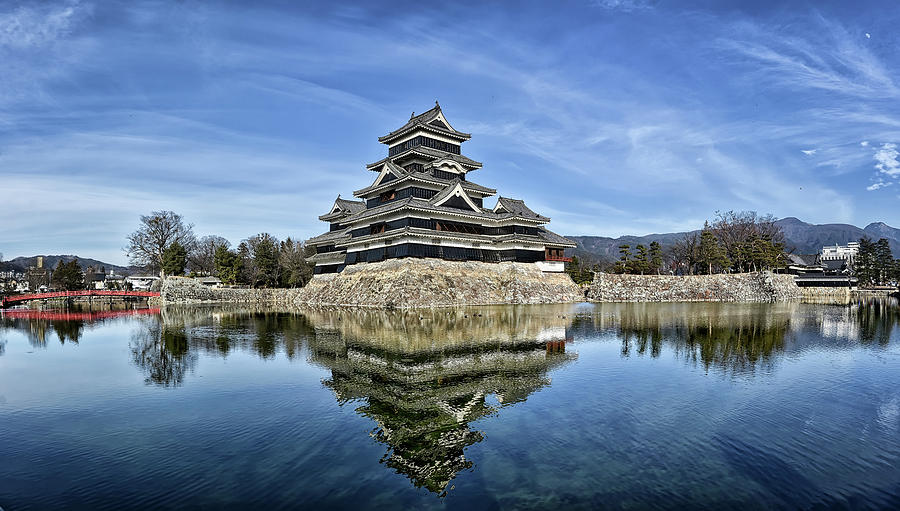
(423, 377)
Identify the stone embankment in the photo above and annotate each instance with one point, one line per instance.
(398, 283)
(409, 283)
(742, 287)
(181, 290)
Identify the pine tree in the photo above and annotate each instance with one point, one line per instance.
(295, 271)
(174, 259)
(865, 265)
(68, 276)
(641, 262)
(227, 264)
(656, 259)
(264, 250)
(624, 258)
(884, 260)
(711, 253)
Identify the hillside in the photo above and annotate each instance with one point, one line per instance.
(50, 261)
(801, 237)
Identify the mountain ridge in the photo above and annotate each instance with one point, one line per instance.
(801, 238)
(22, 263)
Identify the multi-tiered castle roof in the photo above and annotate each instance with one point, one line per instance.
(421, 204)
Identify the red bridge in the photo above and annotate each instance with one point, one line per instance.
(6, 300)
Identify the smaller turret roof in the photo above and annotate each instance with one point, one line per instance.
(552, 238)
(516, 207)
(343, 207)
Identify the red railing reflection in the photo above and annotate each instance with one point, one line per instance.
(74, 316)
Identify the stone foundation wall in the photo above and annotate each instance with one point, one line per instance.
(396, 283)
(409, 283)
(180, 290)
(742, 287)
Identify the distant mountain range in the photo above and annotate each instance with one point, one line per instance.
(50, 261)
(801, 238)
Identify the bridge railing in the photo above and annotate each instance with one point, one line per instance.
(71, 294)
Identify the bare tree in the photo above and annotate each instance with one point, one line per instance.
(203, 257)
(686, 252)
(158, 230)
(738, 232)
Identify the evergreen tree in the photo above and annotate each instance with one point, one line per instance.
(641, 261)
(68, 276)
(174, 259)
(295, 271)
(264, 250)
(866, 263)
(624, 258)
(247, 267)
(656, 258)
(884, 260)
(227, 265)
(711, 253)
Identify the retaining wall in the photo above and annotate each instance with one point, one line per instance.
(410, 283)
(181, 290)
(741, 287)
(397, 283)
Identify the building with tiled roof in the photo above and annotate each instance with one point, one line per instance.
(422, 204)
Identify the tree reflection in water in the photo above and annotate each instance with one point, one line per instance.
(728, 337)
(876, 318)
(163, 353)
(68, 324)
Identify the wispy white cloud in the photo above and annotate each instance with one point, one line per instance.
(808, 152)
(886, 156)
(39, 25)
(624, 5)
(829, 58)
(38, 45)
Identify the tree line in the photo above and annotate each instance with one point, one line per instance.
(165, 243)
(734, 242)
(874, 264)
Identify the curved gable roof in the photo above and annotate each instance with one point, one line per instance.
(454, 189)
(432, 120)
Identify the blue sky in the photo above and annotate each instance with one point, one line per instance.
(612, 117)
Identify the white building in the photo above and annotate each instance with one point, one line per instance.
(846, 252)
(141, 282)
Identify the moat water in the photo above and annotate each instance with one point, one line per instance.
(540, 407)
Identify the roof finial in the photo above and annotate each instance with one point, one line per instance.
(436, 104)
(412, 115)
